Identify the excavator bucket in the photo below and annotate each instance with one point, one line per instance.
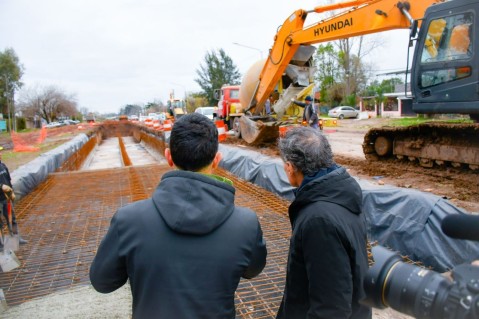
(262, 130)
(258, 132)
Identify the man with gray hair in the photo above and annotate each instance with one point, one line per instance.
(327, 258)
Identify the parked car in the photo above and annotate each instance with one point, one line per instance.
(69, 122)
(208, 111)
(53, 124)
(343, 112)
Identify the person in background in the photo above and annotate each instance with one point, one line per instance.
(310, 115)
(267, 105)
(328, 258)
(6, 194)
(185, 249)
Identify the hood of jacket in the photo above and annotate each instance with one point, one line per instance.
(336, 187)
(193, 203)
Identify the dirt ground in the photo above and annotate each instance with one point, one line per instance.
(460, 186)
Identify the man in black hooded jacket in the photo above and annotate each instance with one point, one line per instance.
(327, 256)
(185, 249)
(7, 193)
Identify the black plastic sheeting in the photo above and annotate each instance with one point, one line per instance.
(28, 176)
(404, 220)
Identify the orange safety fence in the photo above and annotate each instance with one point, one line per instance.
(43, 135)
(167, 125)
(28, 142)
(221, 127)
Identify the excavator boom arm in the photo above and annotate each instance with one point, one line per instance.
(363, 17)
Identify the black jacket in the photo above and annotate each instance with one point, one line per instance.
(309, 113)
(184, 250)
(328, 257)
(4, 179)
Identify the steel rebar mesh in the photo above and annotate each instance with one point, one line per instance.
(66, 217)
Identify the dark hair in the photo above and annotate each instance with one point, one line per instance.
(307, 149)
(193, 142)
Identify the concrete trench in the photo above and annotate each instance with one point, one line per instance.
(66, 216)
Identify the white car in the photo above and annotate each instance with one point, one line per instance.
(70, 122)
(53, 124)
(208, 111)
(343, 112)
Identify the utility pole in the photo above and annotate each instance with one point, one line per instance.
(6, 94)
(10, 101)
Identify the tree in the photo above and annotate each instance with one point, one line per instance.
(389, 85)
(343, 61)
(131, 109)
(50, 103)
(218, 69)
(378, 90)
(352, 65)
(195, 100)
(11, 71)
(327, 74)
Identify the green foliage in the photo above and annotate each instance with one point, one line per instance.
(131, 109)
(11, 71)
(78, 117)
(195, 100)
(218, 69)
(327, 66)
(378, 90)
(407, 121)
(21, 124)
(350, 100)
(389, 85)
(338, 73)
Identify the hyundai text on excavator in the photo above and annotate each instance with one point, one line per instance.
(444, 77)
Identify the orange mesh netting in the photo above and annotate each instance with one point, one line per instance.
(43, 135)
(28, 142)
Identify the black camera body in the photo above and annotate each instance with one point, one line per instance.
(420, 292)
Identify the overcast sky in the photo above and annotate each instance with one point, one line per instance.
(110, 53)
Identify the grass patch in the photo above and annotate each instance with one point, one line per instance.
(407, 121)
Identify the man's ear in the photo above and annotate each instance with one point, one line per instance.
(168, 157)
(216, 160)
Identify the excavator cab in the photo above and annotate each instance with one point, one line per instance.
(445, 74)
(444, 80)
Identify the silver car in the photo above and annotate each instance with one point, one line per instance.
(343, 112)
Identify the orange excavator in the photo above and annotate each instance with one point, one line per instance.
(444, 77)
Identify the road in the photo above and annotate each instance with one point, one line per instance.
(346, 142)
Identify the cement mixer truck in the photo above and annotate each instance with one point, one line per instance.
(444, 77)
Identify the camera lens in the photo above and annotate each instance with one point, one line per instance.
(406, 288)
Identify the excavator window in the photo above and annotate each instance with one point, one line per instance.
(448, 39)
(433, 39)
